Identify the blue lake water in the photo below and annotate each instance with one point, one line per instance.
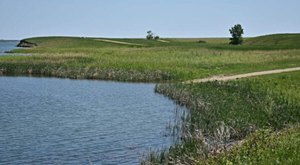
(7, 45)
(63, 121)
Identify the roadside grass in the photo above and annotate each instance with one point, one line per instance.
(178, 60)
(222, 114)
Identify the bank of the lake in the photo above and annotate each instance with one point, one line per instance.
(224, 114)
(153, 61)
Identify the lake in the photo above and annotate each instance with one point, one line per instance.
(7, 45)
(63, 121)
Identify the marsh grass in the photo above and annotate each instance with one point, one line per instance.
(223, 114)
(155, 157)
(264, 147)
(175, 61)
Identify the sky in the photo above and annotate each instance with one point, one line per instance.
(133, 18)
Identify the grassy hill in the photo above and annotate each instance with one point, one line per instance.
(284, 41)
(144, 60)
(267, 42)
(65, 42)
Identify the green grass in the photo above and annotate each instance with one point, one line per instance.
(222, 113)
(207, 40)
(179, 60)
(267, 42)
(264, 147)
(279, 40)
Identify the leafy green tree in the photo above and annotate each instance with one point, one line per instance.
(236, 32)
(150, 35)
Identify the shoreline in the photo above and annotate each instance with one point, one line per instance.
(112, 75)
(103, 75)
(173, 70)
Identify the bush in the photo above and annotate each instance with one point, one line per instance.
(201, 42)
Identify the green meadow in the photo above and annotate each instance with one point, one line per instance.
(153, 61)
(247, 121)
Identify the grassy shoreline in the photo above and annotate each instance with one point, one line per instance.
(222, 113)
(178, 60)
(225, 113)
(264, 147)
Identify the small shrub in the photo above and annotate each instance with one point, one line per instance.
(201, 42)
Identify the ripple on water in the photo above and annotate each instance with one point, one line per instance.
(62, 121)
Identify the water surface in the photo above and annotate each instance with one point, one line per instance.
(7, 45)
(62, 121)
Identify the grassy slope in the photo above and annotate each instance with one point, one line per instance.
(267, 42)
(279, 40)
(225, 112)
(181, 59)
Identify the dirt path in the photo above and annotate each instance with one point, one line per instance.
(234, 77)
(164, 41)
(118, 42)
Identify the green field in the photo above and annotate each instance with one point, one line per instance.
(225, 113)
(153, 61)
(248, 121)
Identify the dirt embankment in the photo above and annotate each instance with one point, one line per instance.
(26, 44)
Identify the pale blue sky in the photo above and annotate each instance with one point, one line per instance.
(132, 18)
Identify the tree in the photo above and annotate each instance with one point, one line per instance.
(150, 35)
(236, 32)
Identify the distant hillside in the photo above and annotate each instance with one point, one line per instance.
(66, 42)
(267, 42)
(275, 40)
